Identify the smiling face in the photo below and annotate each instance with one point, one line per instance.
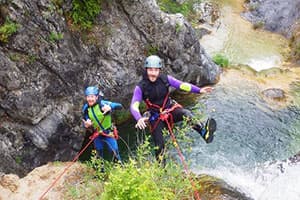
(153, 73)
(91, 99)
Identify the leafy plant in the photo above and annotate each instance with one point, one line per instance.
(18, 160)
(54, 36)
(8, 29)
(84, 12)
(221, 60)
(258, 25)
(15, 57)
(151, 50)
(185, 8)
(144, 178)
(177, 27)
(140, 177)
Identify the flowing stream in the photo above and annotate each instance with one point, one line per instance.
(235, 38)
(255, 137)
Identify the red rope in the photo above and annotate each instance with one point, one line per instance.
(165, 115)
(73, 161)
(186, 169)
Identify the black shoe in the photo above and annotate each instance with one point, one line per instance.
(198, 128)
(210, 128)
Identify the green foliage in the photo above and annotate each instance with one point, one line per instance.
(221, 60)
(258, 25)
(186, 8)
(143, 178)
(121, 116)
(58, 3)
(15, 57)
(84, 12)
(8, 29)
(151, 50)
(31, 58)
(177, 27)
(27, 58)
(297, 51)
(18, 160)
(54, 36)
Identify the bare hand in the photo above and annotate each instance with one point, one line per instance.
(106, 108)
(141, 124)
(206, 89)
(87, 123)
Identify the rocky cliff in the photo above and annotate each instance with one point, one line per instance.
(46, 64)
(275, 15)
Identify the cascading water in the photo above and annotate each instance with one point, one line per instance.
(254, 139)
(251, 142)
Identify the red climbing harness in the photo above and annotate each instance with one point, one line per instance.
(166, 116)
(113, 133)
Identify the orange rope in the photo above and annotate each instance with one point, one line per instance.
(73, 161)
(186, 169)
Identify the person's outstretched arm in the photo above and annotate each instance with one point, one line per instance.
(113, 105)
(187, 87)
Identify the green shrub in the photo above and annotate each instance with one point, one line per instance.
(151, 50)
(53, 37)
(186, 8)
(178, 27)
(221, 60)
(142, 178)
(84, 12)
(258, 25)
(8, 29)
(139, 178)
(297, 51)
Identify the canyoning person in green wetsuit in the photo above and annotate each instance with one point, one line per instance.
(97, 118)
(153, 89)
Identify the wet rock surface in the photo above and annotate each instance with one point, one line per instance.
(42, 79)
(275, 15)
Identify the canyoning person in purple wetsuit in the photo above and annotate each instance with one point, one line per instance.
(153, 89)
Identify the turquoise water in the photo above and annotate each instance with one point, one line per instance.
(235, 38)
(251, 143)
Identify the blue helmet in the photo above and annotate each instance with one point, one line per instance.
(91, 90)
(153, 62)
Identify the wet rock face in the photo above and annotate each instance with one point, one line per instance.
(275, 15)
(295, 158)
(42, 79)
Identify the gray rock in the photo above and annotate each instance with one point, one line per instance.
(42, 81)
(276, 15)
(274, 93)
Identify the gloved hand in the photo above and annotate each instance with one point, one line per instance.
(141, 124)
(95, 134)
(206, 89)
(87, 123)
(106, 109)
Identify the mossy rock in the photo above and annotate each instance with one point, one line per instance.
(213, 188)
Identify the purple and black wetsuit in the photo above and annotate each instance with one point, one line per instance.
(156, 92)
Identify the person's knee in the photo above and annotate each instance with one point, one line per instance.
(187, 113)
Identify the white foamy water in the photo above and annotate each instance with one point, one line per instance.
(268, 182)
